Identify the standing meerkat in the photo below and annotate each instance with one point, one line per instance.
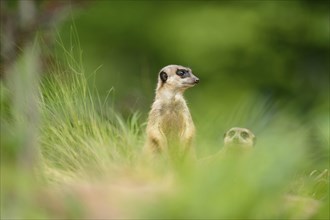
(170, 128)
(239, 137)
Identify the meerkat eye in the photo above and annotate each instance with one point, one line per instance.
(231, 133)
(244, 135)
(180, 72)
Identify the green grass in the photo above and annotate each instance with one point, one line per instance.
(81, 133)
(89, 157)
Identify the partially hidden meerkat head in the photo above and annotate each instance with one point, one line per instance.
(176, 77)
(239, 137)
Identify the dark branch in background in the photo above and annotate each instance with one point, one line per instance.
(21, 20)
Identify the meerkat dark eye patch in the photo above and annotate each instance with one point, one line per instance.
(163, 76)
(244, 135)
(231, 133)
(182, 73)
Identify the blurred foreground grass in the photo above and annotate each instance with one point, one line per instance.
(67, 154)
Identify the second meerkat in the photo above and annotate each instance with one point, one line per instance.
(239, 138)
(170, 126)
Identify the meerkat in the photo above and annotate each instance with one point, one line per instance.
(170, 127)
(239, 137)
(235, 140)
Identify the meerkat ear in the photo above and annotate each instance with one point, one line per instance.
(163, 76)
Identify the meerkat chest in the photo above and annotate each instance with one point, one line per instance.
(173, 116)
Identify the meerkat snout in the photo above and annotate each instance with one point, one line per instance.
(239, 137)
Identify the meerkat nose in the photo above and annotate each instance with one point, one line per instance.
(196, 80)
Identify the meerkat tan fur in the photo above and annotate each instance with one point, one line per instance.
(239, 137)
(170, 127)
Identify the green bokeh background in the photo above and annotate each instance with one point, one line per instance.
(245, 53)
(263, 65)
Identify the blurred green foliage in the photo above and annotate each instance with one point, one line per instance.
(254, 58)
(273, 48)
(262, 64)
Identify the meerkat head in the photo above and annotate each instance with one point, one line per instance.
(239, 137)
(176, 78)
